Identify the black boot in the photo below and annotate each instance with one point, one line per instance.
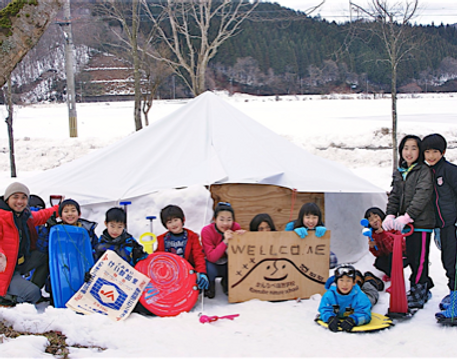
(377, 282)
(211, 291)
(417, 296)
(224, 285)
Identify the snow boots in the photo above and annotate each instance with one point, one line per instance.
(359, 278)
(377, 282)
(211, 291)
(444, 304)
(8, 301)
(417, 296)
(449, 315)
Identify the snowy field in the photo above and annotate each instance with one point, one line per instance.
(351, 130)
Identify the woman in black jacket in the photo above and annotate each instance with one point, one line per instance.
(410, 201)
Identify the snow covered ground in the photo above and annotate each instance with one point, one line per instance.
(349, 129)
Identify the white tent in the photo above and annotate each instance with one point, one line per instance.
(205, 142)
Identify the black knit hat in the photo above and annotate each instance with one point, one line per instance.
(434, 142)
(69, 202)
(224, 206)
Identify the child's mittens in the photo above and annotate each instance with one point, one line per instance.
(347, 324)
(333, 324)
(302, 232)
(389, 223)
(202, 281)
(52, 220)
(320, 231)
(401, 221)
(87, 277)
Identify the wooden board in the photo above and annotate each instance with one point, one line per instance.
(249, 200)
(277, 265)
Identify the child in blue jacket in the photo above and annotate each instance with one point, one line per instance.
(344, 304)
(310, 218)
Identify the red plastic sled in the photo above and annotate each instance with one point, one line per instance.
(172, 288)
(398, 302)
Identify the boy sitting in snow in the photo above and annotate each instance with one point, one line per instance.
(183, 242)
(115, 238)
(344, 304)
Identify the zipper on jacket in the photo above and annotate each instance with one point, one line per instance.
(437, 199)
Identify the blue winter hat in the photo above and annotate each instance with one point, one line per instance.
(69, 202)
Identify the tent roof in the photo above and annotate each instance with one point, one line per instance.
(204, 142)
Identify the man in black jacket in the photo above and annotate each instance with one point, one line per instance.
(445, 200)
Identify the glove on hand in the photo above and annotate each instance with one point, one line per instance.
(202, 281)
(87, 276)
(52, 220)
(302, 232)
(401, 221)
(333, 324)
(388, 223)
(320, 231)
(348, 324)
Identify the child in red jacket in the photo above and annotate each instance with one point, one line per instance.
(383, 243)
(183, 242)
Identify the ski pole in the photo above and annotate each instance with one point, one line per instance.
(124, 204)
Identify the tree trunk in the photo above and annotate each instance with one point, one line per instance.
(136, 65)
(394, 118)
(26, 28)
(9, 122)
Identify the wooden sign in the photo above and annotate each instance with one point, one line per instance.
(277, 265)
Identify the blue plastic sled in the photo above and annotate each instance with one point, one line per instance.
(70, 256)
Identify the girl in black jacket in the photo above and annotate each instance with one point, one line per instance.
(410, 201)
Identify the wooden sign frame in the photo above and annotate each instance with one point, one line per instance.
(277, 265)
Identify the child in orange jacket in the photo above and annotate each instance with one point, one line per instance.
(183, 242)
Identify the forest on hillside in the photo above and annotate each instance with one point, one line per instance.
(276, 51)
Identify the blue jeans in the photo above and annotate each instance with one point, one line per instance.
(214, 270)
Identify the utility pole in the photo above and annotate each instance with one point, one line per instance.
(69, 69)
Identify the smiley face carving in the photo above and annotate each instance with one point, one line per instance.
(277, 270)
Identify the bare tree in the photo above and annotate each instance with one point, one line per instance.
(193, 30)
(8, 95)
(23, 24)
(154, 73)
(392, 26)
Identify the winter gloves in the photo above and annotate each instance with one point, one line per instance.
(392, 223)
(202, 281)
(346, 325)
(401, 221)
(388, 223)
(333, 324)
(52, 220)
(303, 232)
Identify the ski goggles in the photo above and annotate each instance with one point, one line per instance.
(348, 270)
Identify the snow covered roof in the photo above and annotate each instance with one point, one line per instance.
(206, 141)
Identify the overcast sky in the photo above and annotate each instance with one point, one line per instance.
(438, 11)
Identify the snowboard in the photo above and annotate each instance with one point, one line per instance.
(70, 257)
(378, 322)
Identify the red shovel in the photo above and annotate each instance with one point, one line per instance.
(398, 302)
